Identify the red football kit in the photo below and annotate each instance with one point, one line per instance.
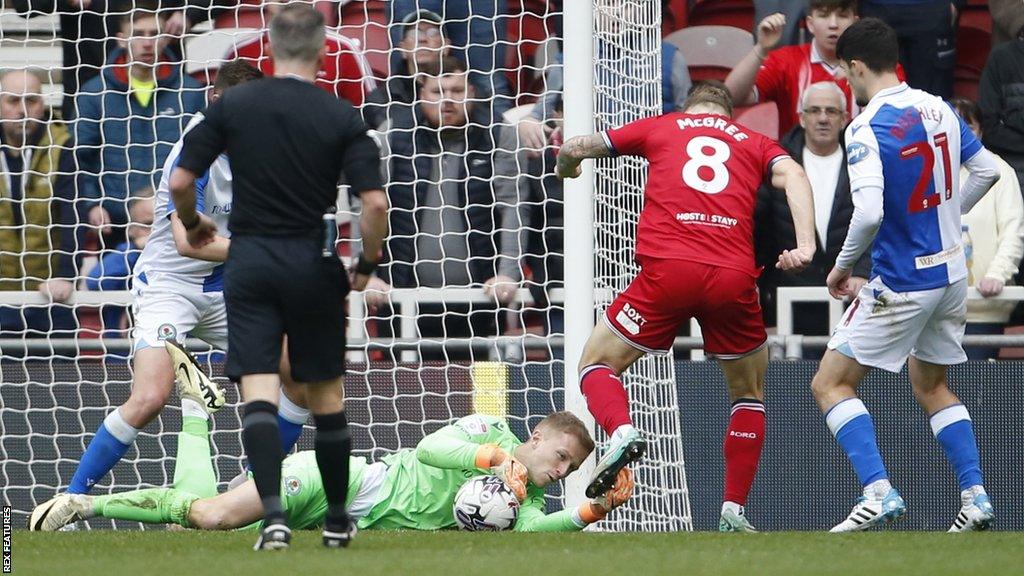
(695, 236)
(788, 71)
(345, 73)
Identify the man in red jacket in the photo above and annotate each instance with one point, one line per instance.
(345, 73)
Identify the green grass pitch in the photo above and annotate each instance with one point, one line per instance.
(136, 553)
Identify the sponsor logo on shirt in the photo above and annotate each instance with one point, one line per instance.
(707, 219)
(473, 425)
(856, 152)
(219, 209)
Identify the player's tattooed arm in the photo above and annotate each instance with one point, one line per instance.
(576, 150)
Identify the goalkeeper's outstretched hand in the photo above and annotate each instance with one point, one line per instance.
(504, 466)
(620, 493)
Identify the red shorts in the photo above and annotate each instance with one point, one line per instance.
(667, 293)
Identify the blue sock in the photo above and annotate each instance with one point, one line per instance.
(952, 428)
(290, 432)
(290, 419)
(851, 424)
(105, 449)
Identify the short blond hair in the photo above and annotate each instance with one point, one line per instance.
(568, 422)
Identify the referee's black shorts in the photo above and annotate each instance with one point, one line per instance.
(284, 286)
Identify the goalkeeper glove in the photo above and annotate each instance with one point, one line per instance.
(499, 463)
(598, 508)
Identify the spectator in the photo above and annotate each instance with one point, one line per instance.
(422, 47)
(477, 28)
(38, 219)
(1001, 98)
(675, 85)
(781, 75)
(926, 30)
(794, 13)
(129, 117)
(1007, 20)
(816, 143)
(456, 218)
(545, 246)
(114, 270)
(345, 71)
(87, 32)
(995, 227)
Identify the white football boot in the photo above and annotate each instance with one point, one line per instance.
(976, 511)
(60, 511)
(871, 510)
(190, 380)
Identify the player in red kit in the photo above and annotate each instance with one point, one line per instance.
(695, 249)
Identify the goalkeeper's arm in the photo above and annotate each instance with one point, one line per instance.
(472, 443)
(533, 519)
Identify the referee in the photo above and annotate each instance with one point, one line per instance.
(288, 142)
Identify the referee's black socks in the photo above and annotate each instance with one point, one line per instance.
(333, 445)
(262, 441)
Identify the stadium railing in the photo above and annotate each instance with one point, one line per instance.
(785, 344)
(793, 344)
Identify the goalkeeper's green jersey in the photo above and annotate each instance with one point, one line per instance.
(420, 486)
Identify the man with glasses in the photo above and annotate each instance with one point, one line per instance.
(422, 48)
(816, 145)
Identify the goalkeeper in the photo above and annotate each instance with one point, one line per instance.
(410, 489)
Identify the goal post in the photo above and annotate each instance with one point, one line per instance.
(613, 76)
(57, 385)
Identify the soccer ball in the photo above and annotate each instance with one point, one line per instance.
(485, 503)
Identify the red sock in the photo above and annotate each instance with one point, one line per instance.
(606, 398)
(742, 447)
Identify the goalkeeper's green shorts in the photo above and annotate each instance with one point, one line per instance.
(302, 489)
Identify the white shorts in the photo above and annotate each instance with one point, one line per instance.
(881, 328)
(170, 308)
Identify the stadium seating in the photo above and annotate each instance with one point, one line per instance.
(738, 13)
(711, 51)
(972, 52)
(763, 118)
(367, 22)
(205, 52)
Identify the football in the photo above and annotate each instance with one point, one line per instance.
(485, 503)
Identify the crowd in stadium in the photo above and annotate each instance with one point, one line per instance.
(79, 177)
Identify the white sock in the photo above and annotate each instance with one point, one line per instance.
(967, 496)
(119, 428)
(877, 489)
(623, 430)
(190, 407)
(732, 507)
(291, 411)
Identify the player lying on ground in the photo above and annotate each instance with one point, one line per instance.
(904, 152)
(178, 292)
(695, 249)
(410, 489)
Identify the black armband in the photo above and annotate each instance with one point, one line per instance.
(364, 266)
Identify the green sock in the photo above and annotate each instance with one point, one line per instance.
(152, 506)
(193, 470)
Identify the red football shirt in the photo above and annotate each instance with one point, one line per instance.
(701, 186)
(346, 73)
(788, 71)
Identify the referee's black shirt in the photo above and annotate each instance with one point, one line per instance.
(287, 142)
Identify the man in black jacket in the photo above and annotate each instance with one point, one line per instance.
(458, 217)
(1001, 98)
(817, 145)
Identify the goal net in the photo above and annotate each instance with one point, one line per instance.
(430, 343)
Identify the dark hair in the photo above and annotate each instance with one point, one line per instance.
(234, 73)
(297, 33)
(709, 92)
(967, 109)
(568, 422)
(871, 41)
(144, 9)
(830, 6)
